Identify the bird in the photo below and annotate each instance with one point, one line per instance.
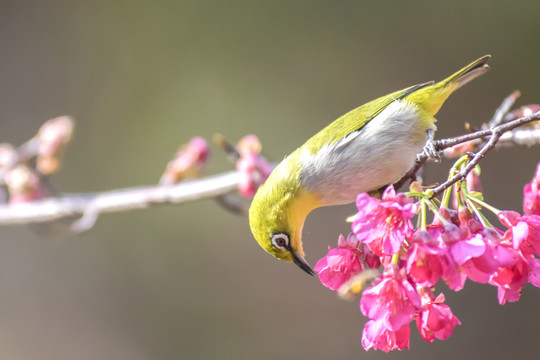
(364, 150)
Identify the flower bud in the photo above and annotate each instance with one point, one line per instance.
(249, 143)
(23, 185)
(522, 111)
(52, 138)
(464, 215)
(188, 162)
(8, 155)
(253, 168)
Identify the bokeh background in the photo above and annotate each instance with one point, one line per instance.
(189, 282)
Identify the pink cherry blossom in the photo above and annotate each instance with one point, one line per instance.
(481, 269)
(534, 272)
(451, 271)
(376, 336)
(393, 300)
(511, 279)
(424, 264)
(476, 258)
(524, 231)
(372, 260)
(512, 276)
(477, 252)
(452, 274)
(473, 251)
(383, 224)
(340, 263)
(531, 195)
(467, 249)
(435, 320)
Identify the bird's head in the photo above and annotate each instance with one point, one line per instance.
(277, 215)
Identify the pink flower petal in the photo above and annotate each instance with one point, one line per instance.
(468, 249)
(534, 272)
(340, 264)
(436, 321)
(519, 233)
(393, 300)
(385, 221)
(509, 218)
(376, 336)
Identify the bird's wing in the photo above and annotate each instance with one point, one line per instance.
(348, 126)
(374, 108)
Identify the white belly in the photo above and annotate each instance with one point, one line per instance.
(379, 154)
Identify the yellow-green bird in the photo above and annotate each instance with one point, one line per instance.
(369, 147)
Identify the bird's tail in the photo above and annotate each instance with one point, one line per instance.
(468, 73)
(434, 98)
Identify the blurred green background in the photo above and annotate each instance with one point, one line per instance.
(189, 282)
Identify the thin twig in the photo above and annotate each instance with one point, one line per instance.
(490, 145)
(527, 137)
(496, 134)
(233, 204)
(232, 152)
(503, 109)
(508, 126)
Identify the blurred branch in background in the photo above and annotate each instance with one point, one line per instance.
(91, 205)
(28, 198)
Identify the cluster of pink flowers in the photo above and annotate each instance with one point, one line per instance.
(457, 245)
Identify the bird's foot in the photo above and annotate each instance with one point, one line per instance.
(430, 149)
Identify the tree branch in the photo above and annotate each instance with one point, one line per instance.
(87, 207)
(498, 133)
(91, 205)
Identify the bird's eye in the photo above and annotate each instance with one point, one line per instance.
(281, 241)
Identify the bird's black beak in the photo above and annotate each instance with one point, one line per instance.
(302, 264)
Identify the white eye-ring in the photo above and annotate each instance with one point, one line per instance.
(281, 241)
